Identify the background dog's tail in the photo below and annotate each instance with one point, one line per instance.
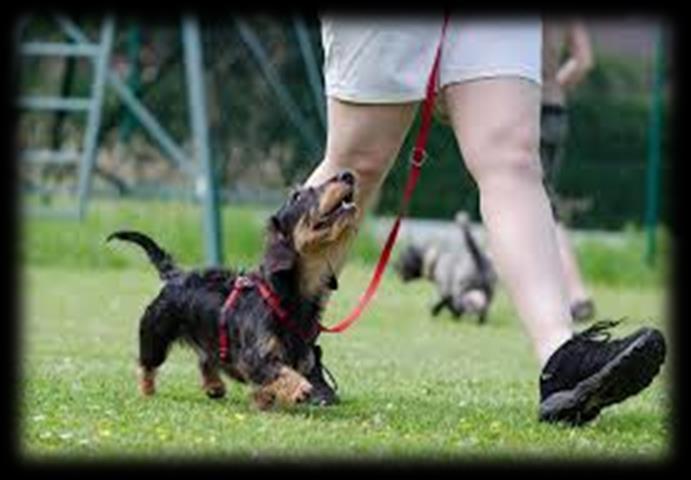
(481, 261)
(161, 260)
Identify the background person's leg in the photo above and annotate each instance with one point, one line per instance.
(365, 139)
(496, 122)
(553, 135)
(572, 272)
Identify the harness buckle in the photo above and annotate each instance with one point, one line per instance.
(242, 282)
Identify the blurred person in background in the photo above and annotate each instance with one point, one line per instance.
(567, 57)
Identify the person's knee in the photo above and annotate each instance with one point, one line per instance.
(369, 164)
(510, 154)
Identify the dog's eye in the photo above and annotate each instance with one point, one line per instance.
(295, 196)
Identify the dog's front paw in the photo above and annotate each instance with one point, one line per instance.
(302, 392)
(288, 388)
(263, 399)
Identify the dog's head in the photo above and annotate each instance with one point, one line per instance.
(409, 264)
(311, 227)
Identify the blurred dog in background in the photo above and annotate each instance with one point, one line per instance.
(464, 274)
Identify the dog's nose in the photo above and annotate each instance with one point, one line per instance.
(346, 177)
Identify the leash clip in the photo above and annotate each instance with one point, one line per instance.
(242, 282)
(423, 157)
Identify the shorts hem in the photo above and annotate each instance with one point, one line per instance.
(349, 95)
(451, 76)
(373, 97)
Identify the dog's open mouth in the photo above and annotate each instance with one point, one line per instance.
(336, 206)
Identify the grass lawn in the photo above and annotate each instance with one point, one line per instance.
(411, 386)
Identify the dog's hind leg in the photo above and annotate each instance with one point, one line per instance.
(157, 330)
(482, 318)
(211, 380)
(437, 307)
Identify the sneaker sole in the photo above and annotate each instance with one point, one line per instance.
(625, 375)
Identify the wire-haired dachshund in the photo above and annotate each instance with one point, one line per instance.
(258, 327)
(465, 277)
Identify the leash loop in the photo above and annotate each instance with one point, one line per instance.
(419, 157)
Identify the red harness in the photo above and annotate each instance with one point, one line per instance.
(269, 296)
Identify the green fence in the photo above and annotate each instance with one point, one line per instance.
(264, 119)
(603, 174)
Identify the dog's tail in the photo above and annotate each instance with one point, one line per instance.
(161, 259)
(481, 261)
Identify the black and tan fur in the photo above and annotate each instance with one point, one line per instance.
(315, 224)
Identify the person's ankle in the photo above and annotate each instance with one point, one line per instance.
(547, 346)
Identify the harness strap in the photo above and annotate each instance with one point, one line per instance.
(417, 160)
(240, 284)
(274, 302)
(269, 296)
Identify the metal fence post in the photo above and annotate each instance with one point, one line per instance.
(206, 184)
(654, 152)
(311, 66)
(88, 160)
(129, 122)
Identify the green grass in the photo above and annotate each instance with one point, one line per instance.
(412, 387)
(623, 263)
(176, 226)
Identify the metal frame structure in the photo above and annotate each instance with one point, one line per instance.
(200, 170)
(99, 52)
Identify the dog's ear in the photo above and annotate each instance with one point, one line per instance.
(280, 254)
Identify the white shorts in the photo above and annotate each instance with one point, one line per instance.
(388, 60)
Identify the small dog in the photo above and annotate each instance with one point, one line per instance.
(266, 334)
(465, 277)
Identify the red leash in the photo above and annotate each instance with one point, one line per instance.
(417, 160)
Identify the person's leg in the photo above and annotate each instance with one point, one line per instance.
(574, 281)
(553, 135)
(496, 122)
(365, 139)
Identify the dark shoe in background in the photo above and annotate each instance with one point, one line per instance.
(582, 310)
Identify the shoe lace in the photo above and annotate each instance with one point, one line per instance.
(323, 368)
(331, 378)
(599, 329)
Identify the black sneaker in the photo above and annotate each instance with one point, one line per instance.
(588, 373)
(322, 393)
